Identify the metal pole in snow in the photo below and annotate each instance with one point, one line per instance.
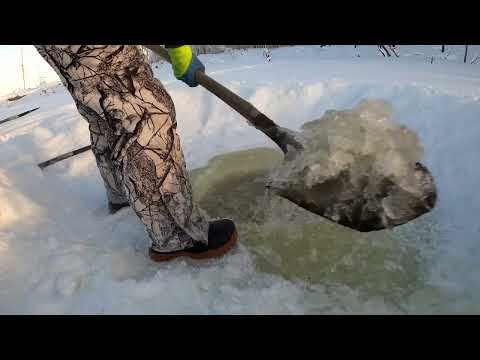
(23, 68)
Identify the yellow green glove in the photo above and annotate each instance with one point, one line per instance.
(184, 63)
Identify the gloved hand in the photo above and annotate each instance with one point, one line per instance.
(185, 64)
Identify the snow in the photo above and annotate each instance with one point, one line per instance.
(60, 252)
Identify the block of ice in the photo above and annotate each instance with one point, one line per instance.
(358, 168)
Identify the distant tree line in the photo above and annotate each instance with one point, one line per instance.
(385, 50)
(212, 49)
(464, 56)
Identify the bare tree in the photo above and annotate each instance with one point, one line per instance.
(383, 50)
(393, 48)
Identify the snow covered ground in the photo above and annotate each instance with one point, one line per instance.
(60, 252)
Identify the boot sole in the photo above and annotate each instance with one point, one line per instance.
(222, 250)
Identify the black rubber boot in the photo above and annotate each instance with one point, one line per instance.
(222, 236)
(113, 208)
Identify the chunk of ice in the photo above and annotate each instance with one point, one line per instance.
(359, 168)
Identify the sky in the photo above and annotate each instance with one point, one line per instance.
(35, 67)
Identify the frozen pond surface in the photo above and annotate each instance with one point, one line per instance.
(61, 253)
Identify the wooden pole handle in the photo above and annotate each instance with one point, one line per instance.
(257, 119)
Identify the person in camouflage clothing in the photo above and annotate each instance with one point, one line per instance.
(137, 149)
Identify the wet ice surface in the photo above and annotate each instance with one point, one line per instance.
(286, 240)
(61, 253)
(359, 168)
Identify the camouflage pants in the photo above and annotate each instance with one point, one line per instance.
(133, 134)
